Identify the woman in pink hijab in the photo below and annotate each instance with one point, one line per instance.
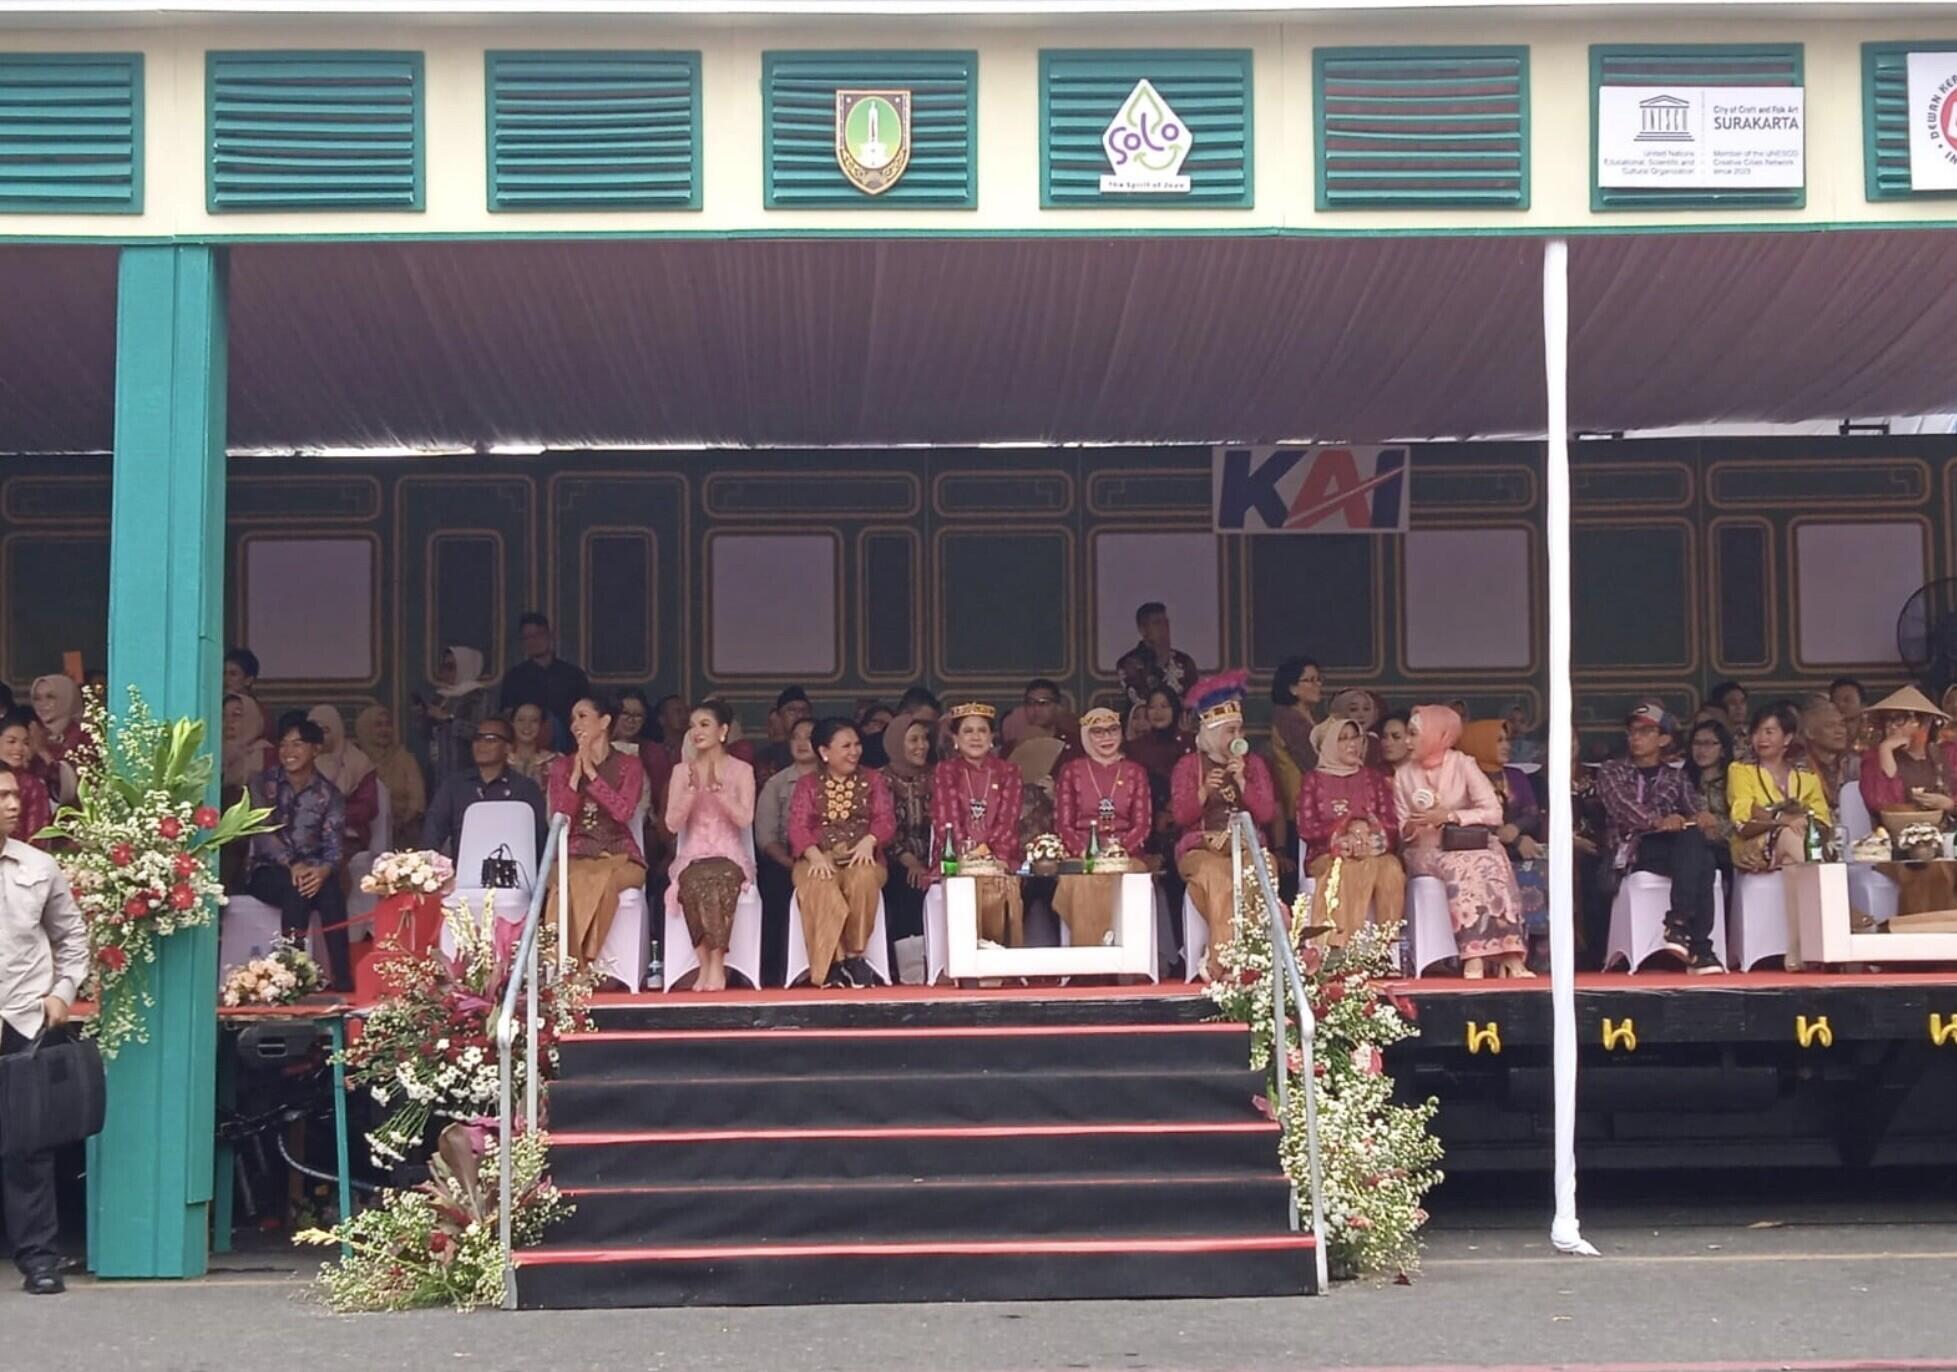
(1442, 797)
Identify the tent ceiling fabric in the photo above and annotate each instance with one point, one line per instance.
(810, 342)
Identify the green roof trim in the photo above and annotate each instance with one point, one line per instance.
(615, 130)
(1696, 64)
(1421, 128)
(290, 129)
(1210, 90)
(71, 133)
(798, 128)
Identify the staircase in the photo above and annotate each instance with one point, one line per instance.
(774, 1150)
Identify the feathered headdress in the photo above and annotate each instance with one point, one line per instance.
(1220, 697)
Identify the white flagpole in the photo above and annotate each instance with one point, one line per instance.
(1564, 1231)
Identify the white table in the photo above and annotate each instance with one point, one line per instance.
(1819, 891)
(1131, 954)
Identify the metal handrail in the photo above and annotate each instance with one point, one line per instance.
(1285, 976)
(524, 973)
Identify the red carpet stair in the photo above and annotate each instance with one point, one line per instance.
(815, 1150)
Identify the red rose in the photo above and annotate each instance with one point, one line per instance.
(169, 826)
(182, 897)
(122, 855)
(206, 817)
(1333, 992)
(183, 864)
(438, 1242)
(135, 907)
(113, 958)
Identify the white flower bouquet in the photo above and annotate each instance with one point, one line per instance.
(414, 871)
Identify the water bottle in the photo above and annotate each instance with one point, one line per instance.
(948, 856)
(1814, 851)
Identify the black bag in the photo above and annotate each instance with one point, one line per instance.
(499, 870)
(52, 1092)
(1463, 838)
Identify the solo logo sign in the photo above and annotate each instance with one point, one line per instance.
(1146, 144)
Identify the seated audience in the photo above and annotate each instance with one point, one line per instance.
(1208, 787)
(1524, 825)
(914, 853)
(395, 767)
(599, 788)
(1824, 739)
(461, 700)
(976, 797)
(1849, 697)
(634, 717)
(295, 866)
(1904, 772)
(776, 858)
(532, 755)
(17, 751)
(1154, 661)
(1394, 744)
(1346, 812)
(1039, 714)
(1525, 748)
(58, 705)
(1101, 803)
(241, 679)
(669, 716)
(1711, 760)
(1445, 804)
(1589, 821)
(872, 718)
(918, 703)
(710, 809)
(1296, 690)
(791, 705)
(1364, 709)
(1728, 703)
(839, 820)
(350, 769)
(245, 753)
(492, 778)
(1656, 821)
(1157, 740)
(543, 679)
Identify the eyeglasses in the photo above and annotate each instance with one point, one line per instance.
(1042, 700)
(493, 738)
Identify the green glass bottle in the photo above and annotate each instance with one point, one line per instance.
(948, 857)
(1093, 845)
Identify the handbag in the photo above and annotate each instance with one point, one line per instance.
(1464, 838)
(499, 870)
(52, 1092)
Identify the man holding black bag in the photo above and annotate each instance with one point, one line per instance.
(43, 962)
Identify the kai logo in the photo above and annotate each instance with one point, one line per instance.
(1310, 490)
(1146, 145)
(873, 138)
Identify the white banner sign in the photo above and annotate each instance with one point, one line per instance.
(1932, 114)
(1310, 489)
(1701, 137)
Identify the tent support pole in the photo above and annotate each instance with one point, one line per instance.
(1564, 1232)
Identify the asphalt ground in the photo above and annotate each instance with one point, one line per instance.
(1721, 1275)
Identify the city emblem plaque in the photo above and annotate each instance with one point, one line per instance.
(873, 137)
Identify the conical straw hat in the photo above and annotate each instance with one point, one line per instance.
(1908, 701)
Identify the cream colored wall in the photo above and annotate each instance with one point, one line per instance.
(1008, 124)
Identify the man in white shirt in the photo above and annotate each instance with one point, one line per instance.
(43, 962)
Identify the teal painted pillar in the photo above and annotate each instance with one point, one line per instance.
(149, 1188)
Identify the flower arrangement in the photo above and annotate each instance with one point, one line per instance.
(409, 872)
(141, 838)
(1379, 1157)
(281, 977)
(1045, 854)
(429, 1049)
(437, 1243)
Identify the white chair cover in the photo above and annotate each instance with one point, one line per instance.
(1430, 931)
(486, 826)
(627, 949)
(1637, 920)
(743, 947)
(1195, 939)
(246, 929)
(877, 954)
(1869, 891)
(1855, 816)
(1759, 918)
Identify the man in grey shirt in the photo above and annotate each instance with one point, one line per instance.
(43, 962)
(774, 861)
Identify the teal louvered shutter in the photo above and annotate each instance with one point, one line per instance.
(1691, 64)
(594, 130)
(71, 133)
(1422, 128)
(799, 128)
(1885, 119)
(291, 130)
(1209, 90)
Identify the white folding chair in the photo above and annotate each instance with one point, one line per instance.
(937, 935)
(682, 960)
(627, 950)
(1869, 891)
(1430, 929)
(246, 928)
(487, 826)
(1637, 920)
(1759, 918)
(877, 954)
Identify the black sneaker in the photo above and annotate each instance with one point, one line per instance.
(838, 976)
(1677, 945)
(860, 972)
(1704, 964)
(46, 1283)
